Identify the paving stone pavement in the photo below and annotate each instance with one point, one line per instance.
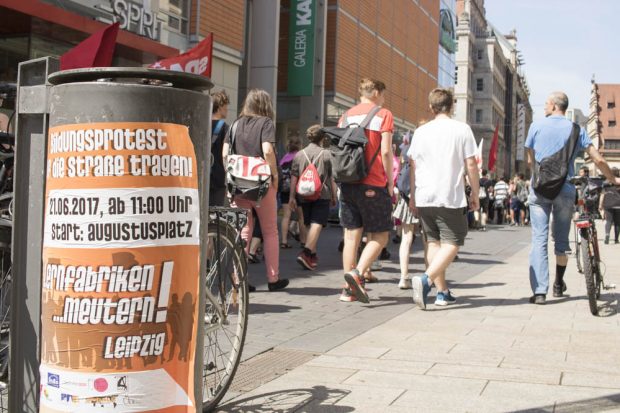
(492, 351)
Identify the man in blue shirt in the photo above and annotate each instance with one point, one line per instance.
(545, 138)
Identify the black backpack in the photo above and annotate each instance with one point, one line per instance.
(550, 174)
(347, 149)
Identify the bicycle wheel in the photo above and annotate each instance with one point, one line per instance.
(5, 310)
(578, 250)
(589, 269)
(225, 331)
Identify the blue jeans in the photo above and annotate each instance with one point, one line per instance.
(562, 208)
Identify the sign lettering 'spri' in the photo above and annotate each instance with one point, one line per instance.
(196, 60)
(120, 269)
(301, 48)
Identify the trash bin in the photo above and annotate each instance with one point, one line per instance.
(126, 196)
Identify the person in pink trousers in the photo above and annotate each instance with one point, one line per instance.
(255, 135)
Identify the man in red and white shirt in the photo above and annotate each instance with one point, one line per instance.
(366, 206)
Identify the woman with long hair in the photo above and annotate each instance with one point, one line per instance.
(255, 135)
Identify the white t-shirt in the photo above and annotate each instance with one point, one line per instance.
(439, 149)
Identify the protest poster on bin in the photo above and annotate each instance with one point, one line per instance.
(120, 269)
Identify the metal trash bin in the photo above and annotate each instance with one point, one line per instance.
(123, 259)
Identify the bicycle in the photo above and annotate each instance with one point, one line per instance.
(588, 244)
(227, 301)
(7, 142)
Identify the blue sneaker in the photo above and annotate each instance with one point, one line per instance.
(444, 298)
(420, 290)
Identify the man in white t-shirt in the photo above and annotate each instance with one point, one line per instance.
(441, 151)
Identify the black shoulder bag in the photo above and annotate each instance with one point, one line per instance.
(550, 173)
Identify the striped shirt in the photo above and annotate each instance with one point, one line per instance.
(501, 191)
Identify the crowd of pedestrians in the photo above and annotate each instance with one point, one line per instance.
(429, 185)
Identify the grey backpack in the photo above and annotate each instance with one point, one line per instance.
(347, 146)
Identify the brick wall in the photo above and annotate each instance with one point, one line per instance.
(225, 18)
(408, 63)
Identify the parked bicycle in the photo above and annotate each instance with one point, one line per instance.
(226, 309)
(7, 143)
(587, 242)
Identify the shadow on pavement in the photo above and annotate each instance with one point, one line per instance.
(474, 285)
(476, 301)
(315, 399)
(315, 291)
(598, 404)
(256, 308)
(388, 301)
(476, 261)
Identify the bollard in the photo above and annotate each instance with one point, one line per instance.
(126, 200)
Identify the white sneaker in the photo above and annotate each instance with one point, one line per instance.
(376, 266)
(405, 284)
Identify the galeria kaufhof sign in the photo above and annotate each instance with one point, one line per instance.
(301, 48)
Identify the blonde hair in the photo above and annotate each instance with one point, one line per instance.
(220, 99)
(258, 103)
(368, 86)
(441, 100)
(315, 134)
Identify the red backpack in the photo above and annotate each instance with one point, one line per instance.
(309, 184)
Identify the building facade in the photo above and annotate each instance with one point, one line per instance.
(395, 41)
(491, 91)
(602, 124)
(312, 72)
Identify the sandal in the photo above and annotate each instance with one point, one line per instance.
(253, 259)
(369, 277)
(285, 246)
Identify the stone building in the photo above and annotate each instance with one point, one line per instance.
(602, 126)
(491, 90)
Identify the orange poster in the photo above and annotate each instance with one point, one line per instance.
(120, 269)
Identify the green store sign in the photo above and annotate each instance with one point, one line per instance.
(446, 31)
(301, 48)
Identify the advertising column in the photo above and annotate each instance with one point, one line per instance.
(120, 269)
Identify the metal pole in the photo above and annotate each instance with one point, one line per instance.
(29, 192)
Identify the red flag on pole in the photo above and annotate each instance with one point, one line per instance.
(493, 149)
(196, 60)
(96, 51)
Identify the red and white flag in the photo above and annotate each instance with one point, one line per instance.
(196, 60)
(479, 155)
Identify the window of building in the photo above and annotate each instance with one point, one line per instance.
(611, 123)
(611, 105)
(480, 54)
(612, 144)
(480, 84)
(478, 115)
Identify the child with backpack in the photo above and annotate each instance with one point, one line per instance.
(314, 189)
(285, 192)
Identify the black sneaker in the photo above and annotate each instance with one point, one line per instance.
(539, 299)
(385, 254)
(278, 285)
(606, 240)
(558, 289)
(251, 288)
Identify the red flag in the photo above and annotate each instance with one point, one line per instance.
(493, 149)
(96, 51)
(196, 60)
